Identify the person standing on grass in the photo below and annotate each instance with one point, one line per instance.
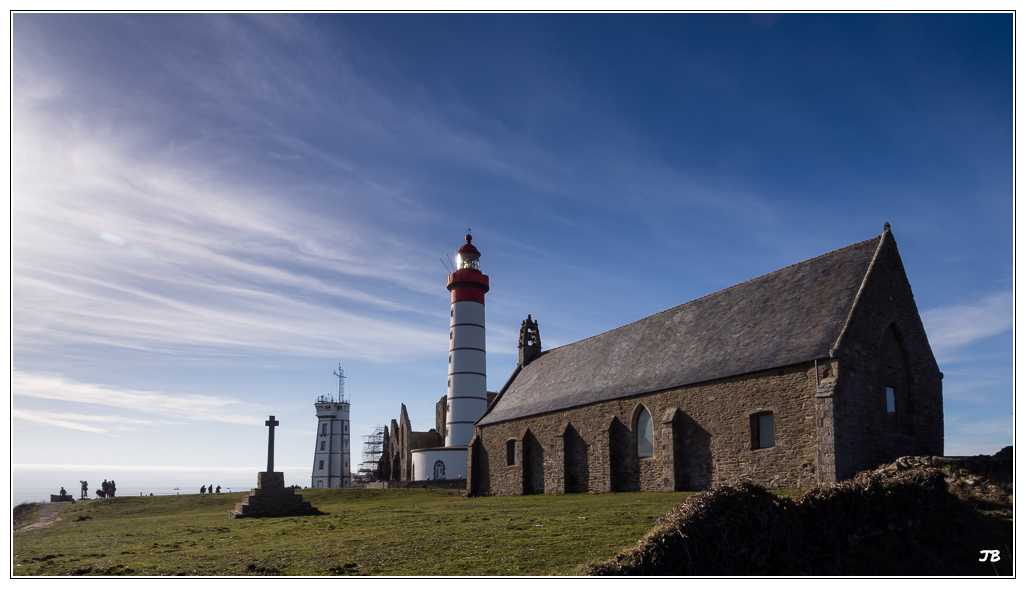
(203, 490)
(218, 489)
(85, 489)
(111, 489)
(106, 488)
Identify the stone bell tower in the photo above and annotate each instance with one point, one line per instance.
(530, 341)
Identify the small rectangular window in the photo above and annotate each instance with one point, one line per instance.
(891, 416)
(324, 429)
(762, 431)
(511, 452)
(320, 466)
(322, 445)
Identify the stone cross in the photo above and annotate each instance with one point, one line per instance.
(270, 423)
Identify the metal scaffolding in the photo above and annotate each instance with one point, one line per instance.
(372, 448)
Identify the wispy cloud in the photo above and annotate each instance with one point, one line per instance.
(164, 405)
(99, 424)
(67, 421)
(954, 326)
(132, 250)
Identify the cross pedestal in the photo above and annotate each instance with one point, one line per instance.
(270, 480)
(271, 498)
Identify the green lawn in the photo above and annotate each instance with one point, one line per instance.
(364, 532)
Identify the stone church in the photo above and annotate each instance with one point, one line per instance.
(803, 376)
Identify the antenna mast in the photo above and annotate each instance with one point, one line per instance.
(341, 374)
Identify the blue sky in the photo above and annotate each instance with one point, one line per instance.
(211, 212)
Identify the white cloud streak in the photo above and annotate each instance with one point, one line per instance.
(67, 421)
(57, 388)
(954, 326)
(83, 422)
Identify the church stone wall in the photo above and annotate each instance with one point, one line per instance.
(702, 436)
(886, 345)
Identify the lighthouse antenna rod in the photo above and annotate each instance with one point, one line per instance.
(341, 374)
(450, 261)
(446, 267)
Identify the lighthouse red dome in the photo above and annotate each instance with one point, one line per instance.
(468, 249)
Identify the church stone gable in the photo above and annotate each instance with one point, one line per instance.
(885, 345)
(702, 436)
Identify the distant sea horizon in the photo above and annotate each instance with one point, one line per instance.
(21, 495)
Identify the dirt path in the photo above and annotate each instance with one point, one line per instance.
(47, 516)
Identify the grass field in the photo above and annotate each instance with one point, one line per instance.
(363, 532)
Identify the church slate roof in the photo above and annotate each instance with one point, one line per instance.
(790, 316)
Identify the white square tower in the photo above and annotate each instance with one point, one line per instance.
(331, 465)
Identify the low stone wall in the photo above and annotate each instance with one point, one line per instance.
(455, 484)
(996, 468)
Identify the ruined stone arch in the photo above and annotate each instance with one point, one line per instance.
(397, 468)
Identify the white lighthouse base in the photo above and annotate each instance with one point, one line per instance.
(447, 462)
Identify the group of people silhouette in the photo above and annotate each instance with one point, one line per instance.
(205, 489)
(107, 489)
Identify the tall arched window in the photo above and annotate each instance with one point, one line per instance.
(645, 447)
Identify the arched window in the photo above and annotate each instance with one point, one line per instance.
(439, 469)
(645, 447)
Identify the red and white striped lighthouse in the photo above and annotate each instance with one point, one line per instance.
(467, 392)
